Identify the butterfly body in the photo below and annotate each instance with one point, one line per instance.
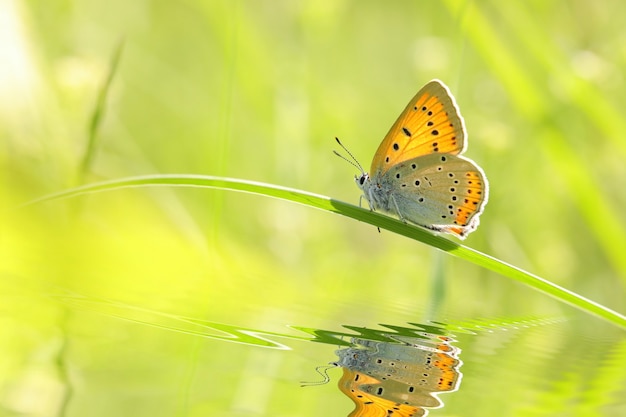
(418, 173)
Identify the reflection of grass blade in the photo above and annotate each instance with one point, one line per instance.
(606, 384)
(202, 328)
(268, 339)
(349, 210)
(96, 117)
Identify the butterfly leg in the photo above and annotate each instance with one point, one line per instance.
(402, 219)
(368, 203)
(361, 203)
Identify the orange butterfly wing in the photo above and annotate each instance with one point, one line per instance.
(369, 404)
(430, 123)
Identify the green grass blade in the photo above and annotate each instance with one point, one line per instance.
(357, 213)
(96, 117)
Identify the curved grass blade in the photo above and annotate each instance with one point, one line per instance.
(357, 213)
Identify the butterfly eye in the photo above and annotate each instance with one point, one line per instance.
(363, 178)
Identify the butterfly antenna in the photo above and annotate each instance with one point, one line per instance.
(323, 372)
(354, 162)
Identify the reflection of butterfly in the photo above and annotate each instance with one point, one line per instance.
(418, 173)
(369, 403)
(397, 379)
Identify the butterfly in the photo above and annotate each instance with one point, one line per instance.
(418, 173)
(397, 379)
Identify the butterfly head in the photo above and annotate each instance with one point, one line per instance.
(362, 179)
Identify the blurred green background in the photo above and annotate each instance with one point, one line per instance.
(258, 90)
